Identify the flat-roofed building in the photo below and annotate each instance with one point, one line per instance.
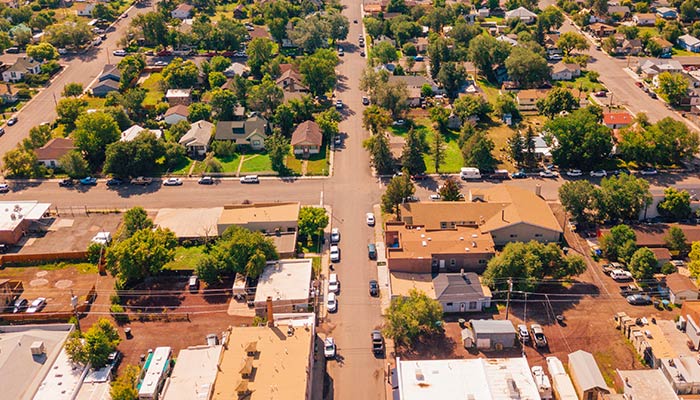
(96, 385)
(261, 362)
(27, 354)
(263, 217)
(683, 373)
(64, 380)
(194, 374)
(459, 379)
(287, 283)
(647, 384)
(16, 217)
(155, 372)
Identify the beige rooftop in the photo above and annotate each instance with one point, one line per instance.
(240, 214)
(419, 243)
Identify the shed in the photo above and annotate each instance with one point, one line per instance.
(680, 288)
(586, 376)
(493, 334)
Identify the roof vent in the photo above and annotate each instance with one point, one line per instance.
(419, 375)
(474, 235)
(466, 249)
(429, 239)
(461, 238)
(422, 235)
(424, 243)
(473, 244)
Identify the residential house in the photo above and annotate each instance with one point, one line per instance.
(307, 139)
(649, 384)
(666, 13)
(510, 39)
(134, 131)
(239, 12)
(550, 43)
(236, 69)
(600, 30)
(662, 256)
(50, 153)
(414, 84)
(290, 81)
(665, 45)
(644, 19)
(523, 14)
(586, 376)
(182, 11)
(21, 67)
(110, 72)
(617, 120)
(175, 114)
(619, 12)
(527, 99)
(269, 218)
(252, 132)
(680, 288)
(689, 43)
(421, 44)
(629, 47)
(690, 320)
(456, 292)
(85, 9)
(287, 283)
(490, 334)
(382, 38)
(562, 71)
(7, 95)
(650, 67)
(179, 96)
(483, 12)
(197, 139)
(102, 88)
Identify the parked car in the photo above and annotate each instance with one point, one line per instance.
(377, 342)
(119, 53)
(329, 348)
(114, 358)
(339, 104)
(518, 175)
(4, 188)
(369, 218)
(250, 179)
(639, 84)
(435, 197)
(629, 290)
(66, 182)
(206, 180)
(2, 131)
(373, 288)
(103, 238)
(538, 335)
(341, 52)
(621, 275)
(365, 100)
(172, 182)
(639, 299)
(523, 334)
(372, 251)
(333, 283)
(653, 95)
(399, 122)
(20, 305)
(335, 235)
(418, 58)
(574, 172)
(649, 171)
(601, 93)
(599, 174)
(193, 283)
(88, 181)
(12, 50)
(548, 174)
(141, 180)
(12, 121)
(335, 253)
(331, 303)
(115, 182)
(37, 305)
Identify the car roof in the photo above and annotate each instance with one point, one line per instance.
(331, 296)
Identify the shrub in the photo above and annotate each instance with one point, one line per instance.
(118, 313)
(668, 268)
(93, 252)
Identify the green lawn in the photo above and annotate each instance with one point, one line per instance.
(257, 163)
(677, 51)
(490, 90)
(154, 94)
(318, 163)
(453, 159)
(293, 164)
(183, 169)
(230, 164)
(95, 103)
(583, 82)
(186, 258)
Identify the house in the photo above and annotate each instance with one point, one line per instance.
(650, 67)
(134, 131)
(291, 83)
(490, 334)
(662, 256)
(680, 288)
(586, 376)
(550, 43)
(666, 13)
(252, 132)
(259, 361)
(665, 45)
(21, 67)
(644, 19)
(382, 38)
(236, 69)
(513, 41)
(197, 139)
(307, 139)
(239, 12)
(182, 11)
(7, 95)
(456, 292)
(527, 99)
(562, 71)
(111, 72)
(621, 12)
(269, 218)
(50, 153)
(689, 43)
(287, 283)
(85, 9)
(523, 14)
(179, 96)
(175, 114)
(102, 88)
(421, 44)
(13, 227)
(476, 378)
(414, 84)
(617, 120)
(194, 373)
(600, 30)
(630, 47)
(683, 373)
(649, 384)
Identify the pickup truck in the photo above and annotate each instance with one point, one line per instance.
(377, 343)
(143, 181)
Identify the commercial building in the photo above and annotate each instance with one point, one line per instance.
(586, 376)
(96, 385)
(263, 217)
(683, 373)
(287, 283)
(194, 374)
(648, 384)
(64, 380)
(459, 379)
(689, 320)
(268, 362)
(17, 216)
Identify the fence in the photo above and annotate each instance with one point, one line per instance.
(8, 260)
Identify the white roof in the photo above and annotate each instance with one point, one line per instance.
(13, 212)
(190, 222)
(285, 280)
(158, 364)
(63, 380)
(585, 370)
(178, 93)
(199, 134)
(133, 131)
(459, 379)
(690, 40)
(194, 374)
(648, 384)
(560, 380)
(520, 12)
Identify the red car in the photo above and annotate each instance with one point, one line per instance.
(164, 53)
(639, 84)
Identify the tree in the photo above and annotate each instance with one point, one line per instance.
(643, 264)
(579, 200)
(676, 240)
(142, 255)
(449, 191)
(375, 119)
(95, 345)
(138, 157)
(339, 26)
(526, 67)
(318, 71)
(384, 53)
(666, 142)
(224, 102)
(440, 117)
(312, 220)
(623, 198)
(408, 318)
(551, 18)
(393, 96)
(124, 387)
(310, 33)
(397, 191)
(153, 27)
(220, 63)
(93, 132)
(69, 109)
(581, 141)
(216, 79)
(557, 100)
(477, 151)
(38, 136)
(134, 220)
(260, 51)
(675, 205)
(569, 41)
(611, 243)
(277, 147)
(43, 51)
(438, 151)
(73, 164)
(694, 256)
(266, 96)
(472, 106)
(181, 74)
(674, 86)
(672, 31)
(485, 52)
(412, 153)
(70, 33)
(688, 11)
(20, 163)
(130, 68)
(452, 77)
(198, 112)
(73, 89)
(505, 104)
(328, 123)
(380, 154)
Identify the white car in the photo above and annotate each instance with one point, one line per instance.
(435, 197)
(172, 182)
(119, 53)
(333, 283)
(331, 303)
(574, 172)
(4, 188)
(160, 63)
(370, 219)
(339, 104)
(329, 347)
(548, 174)
(649, 171)
(250, 179)
(599, 174)
(335, 253)
(335, 235)
(37, 305)
(103, 238)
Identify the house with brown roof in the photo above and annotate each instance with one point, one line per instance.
(50, 153)
(307, 139)
(600, 30)
(84, 9)
(527, 99)
(680, 288)
(665, 45)
(617, 120)
(7, 94)
(251, 132)
(654, 235)
(644, 19)
(562, 71)
(175, 114)
(456, 292)
(290, 81)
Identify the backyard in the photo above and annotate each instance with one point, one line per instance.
(186, 258)
(154, 89)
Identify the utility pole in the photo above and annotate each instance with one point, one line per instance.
(74, 303)
(510, 289)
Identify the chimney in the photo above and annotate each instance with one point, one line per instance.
(538, 190)
(461, 271)
(269, 312)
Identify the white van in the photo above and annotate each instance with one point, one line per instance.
(469, 173)
(620, 275)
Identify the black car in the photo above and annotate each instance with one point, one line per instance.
(373, 288)
(20, 305)
(115, 182)
(12, 121)
(66, 183)
(114, 358)
(2, 131)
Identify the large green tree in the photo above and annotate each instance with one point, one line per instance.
(674, 86)
(260, 51)
(409, 318)
(452, 77)
(450, 190)
(138, 157)
(312, 220)
(582, 142)
(477, 151)
(579, 200)
(277, 147)
(643, 264)
(375, 119)
(93, 133)
(570, 41)
(623, 198)
(142, 255)
(318, 71)
(94, 346)
(124, 386)
(675, 205)
(181, 74)
(380, 155)
(472, 106)
(412, 154)
(397, 191)
(613, 242)
(134, 220)
(676, 241)
(527, 67)
(69, 109)
(486, 52)
(557, 100)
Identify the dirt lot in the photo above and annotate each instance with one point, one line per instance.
(67, 232)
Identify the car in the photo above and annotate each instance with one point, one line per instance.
(335, 253)
(125, 15)
(88, 181)
(677, 263)
(160, 63)
(329, 348)
(574, 172)
(518, 175)
(377, 342)
(20, 305)
(331, 303)
(2, 131)
(172, 182)
(538, 335)
(12, 121)
(102, 238)
(523, 334)
(339, 104)
(362, 53)
(142, 181)
(4, 188)
(638, 299)
(621, 275)
(206, 180)
(362, 43)
(649, 171)
(37, 305)
(97, 41)
(435, 197)
(548, 174)
(369, 218)
(373, 288)
(66, 182)
(629, 290)
(119, 53)
(418, 177)
(411, 199)
(599, 174)
(653, 95)
(555, 57)
(341, 52)
(418, 58)
(365, 100)
(337, 141)
(333, 283)
(114, 358)
(193, 283)
(12, 50)
(115, 182)
(399, 122)
(335, 235)
(639, 84)
(601, 93)
(250, 179)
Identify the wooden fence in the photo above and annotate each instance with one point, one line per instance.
(9, 260)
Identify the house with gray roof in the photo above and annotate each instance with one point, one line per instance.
(22, 67)
(490, 334)
(101, 88)
(110, 71)
(523, 14)
(251, 132)
(461, 292)
(197, 139)
(586, 376)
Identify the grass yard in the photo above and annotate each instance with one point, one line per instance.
(318, 163)
(293, 164)
(155, 93)
(583, 82)
(182, 169)
(490, 90)
(256, 163)
(230, 164)
(95, 103)
(453, 154)
(684, 53)
(186, 258)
